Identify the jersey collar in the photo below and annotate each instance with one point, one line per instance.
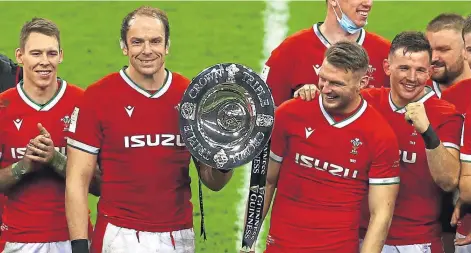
(47, 106)
(327, 44)
(344, 122)
(436, 89)
(428, 94)
(158, 93)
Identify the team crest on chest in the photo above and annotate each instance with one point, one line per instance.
(356, 143)
(66, 122)
(370, 72)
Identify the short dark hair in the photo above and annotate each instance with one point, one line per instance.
(467, 26)
(348, 56)
(39, 25)
(146, 11)
(410, 42)
(444, 21)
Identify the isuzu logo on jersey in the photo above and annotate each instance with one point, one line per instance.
(407, 157)
(152, 140)
(19, 153)
(336, 170)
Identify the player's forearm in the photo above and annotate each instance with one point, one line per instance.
(465, 182)
(213, 178)
(95, 184)
(59, 163)
(377, 232)
(269, 193)
(444, 167)
(465, 189)
(11, 175)
(76, 206)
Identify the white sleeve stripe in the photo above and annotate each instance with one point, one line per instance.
(465, 157)
(462, 136)
(388, 180)
(276, 157)
(83, 146)
(451, 145)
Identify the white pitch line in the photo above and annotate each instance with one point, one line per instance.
(275, 18)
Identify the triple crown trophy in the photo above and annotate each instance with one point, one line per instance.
(226, 120)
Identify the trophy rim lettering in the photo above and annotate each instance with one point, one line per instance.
(226, 115)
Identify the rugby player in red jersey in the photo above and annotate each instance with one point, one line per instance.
(128, 124)
(326, 156)
(449, 67)
(297, 60)
(34, 117)
(429, 145)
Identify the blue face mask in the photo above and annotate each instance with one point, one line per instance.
(346, 23)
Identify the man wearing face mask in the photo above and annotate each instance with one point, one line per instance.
(297, 60)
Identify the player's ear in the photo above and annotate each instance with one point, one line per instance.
(386, 66)
(123, 47)
(61, 55)
(364, 82)
(430, 71)
(19, 56)
(167, 47)
(333, 2)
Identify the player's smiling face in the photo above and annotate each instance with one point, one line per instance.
(146, 46)
(408, 73)
(40, 57)
(356, 10)
(448, 54)
(467, 44)
(339, 88)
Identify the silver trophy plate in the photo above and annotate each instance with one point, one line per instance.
(226, 116)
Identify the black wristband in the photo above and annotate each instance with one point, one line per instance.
(80, 246)
(430, 138)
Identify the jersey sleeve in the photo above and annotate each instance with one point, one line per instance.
(449, 131)
(85, 126)
(279, 136)
(384, 169)
(465, 155)
(276, 73)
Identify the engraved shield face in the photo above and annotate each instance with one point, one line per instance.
(226, 115)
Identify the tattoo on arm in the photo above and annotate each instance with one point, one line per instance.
(18, 170)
